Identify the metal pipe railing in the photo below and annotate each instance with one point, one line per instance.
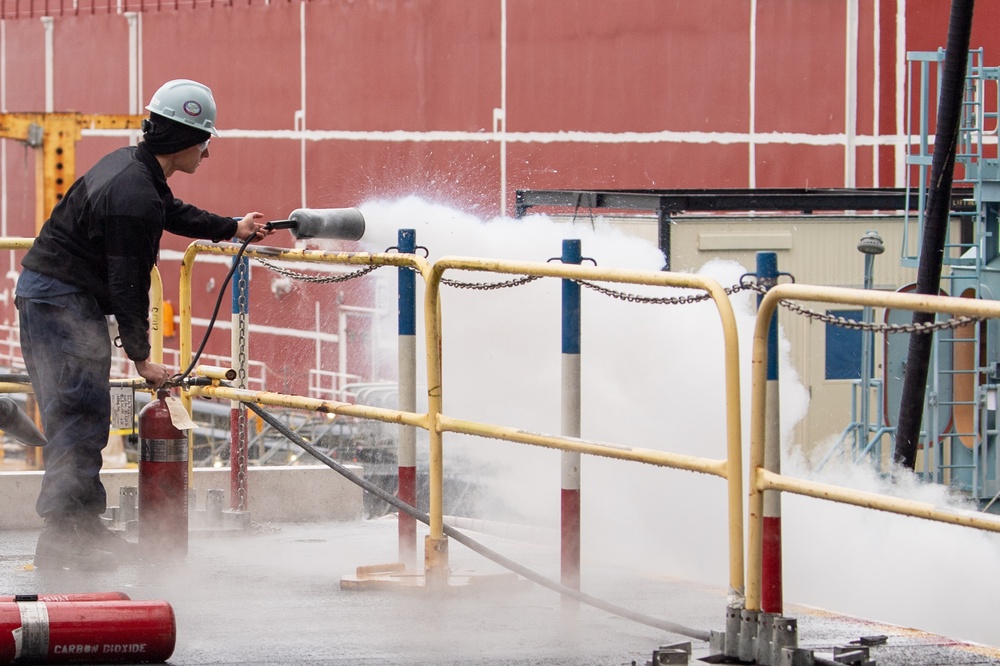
(731, 466)
(762, 480)
(436, 423)
(288, 255)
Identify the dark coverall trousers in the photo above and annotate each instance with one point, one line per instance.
(67, 351)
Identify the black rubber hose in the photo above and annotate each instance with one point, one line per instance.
(935, 232)
(473, 545)
(215, 312)
(16, 379)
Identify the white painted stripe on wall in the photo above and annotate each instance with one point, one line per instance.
(900, 157)
(3, 144)
(667, 136)
(49, 66)
(301, 115)
(752, 142)
(876, 83)
(851, 93)
(501, 128)
(224, 325)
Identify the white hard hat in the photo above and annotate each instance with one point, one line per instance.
(187, 102)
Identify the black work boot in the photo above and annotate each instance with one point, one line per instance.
(62, 546)
(96, 534)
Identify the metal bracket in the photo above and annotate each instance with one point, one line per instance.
(678, 653)
(36, 135)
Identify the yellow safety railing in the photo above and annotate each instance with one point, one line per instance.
(762, 480)
(16, 243)
(729, 469)
(279, 399)
(288, 255)
(437, 423)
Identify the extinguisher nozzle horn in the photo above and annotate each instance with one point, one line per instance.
(19, 425)
(328, 223)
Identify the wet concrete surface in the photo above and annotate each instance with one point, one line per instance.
(272, 595)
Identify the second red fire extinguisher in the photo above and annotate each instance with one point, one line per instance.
(90, 632)
(163, 483)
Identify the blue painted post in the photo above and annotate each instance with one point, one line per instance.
(407, 349)
(570, 539)
(771, 587)
(237, 410)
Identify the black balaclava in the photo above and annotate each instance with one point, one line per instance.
(164, 136)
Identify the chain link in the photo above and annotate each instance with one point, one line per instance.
(487, 286)
(873, 327)
(241, 420)
(669, 300)
(308, 277)
(833, 320)
(876, 327)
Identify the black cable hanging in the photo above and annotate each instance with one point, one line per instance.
(473, 545)
(935, 228)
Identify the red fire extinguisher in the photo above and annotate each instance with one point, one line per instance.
(57, 632)
(163, 483)
(75, 596)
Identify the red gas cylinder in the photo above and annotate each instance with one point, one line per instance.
(163, 483)
(59, 632)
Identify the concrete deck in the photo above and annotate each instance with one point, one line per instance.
(272, 595)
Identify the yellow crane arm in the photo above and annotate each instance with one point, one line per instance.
(56, 134)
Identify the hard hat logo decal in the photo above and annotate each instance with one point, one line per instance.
(187, 102)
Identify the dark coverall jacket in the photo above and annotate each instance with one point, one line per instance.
(93, 258)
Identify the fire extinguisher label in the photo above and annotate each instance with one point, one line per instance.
(122, 407)
(179, 416)
(163, 450)
(31, 639)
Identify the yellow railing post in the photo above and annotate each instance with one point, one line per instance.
(435, 544)
(155, 316)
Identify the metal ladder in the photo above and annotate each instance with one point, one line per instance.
(969, 253)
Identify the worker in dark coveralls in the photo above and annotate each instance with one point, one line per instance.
(92, 259)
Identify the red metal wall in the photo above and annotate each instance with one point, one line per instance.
(426, 66)
(629, 94)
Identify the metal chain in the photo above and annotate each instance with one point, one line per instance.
(651, 300)
(307, 277)
(875, 327)
(486, 286)
(672, 300)
(833, 320)
(842, 322)
(241, 420)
